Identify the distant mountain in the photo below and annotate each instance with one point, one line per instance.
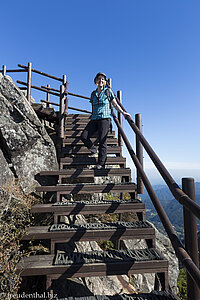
(172, 207)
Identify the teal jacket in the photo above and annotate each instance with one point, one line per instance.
(101, 104)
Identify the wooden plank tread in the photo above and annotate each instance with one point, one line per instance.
(88, 172)
(94, 263)
(88, 207)
(74, 116)
(80, 149)
(76, 122)
(73, 127)
(77, 141)
(87, 188)
(154, 295)
(77, 133)
(92, 231)
(91, 160)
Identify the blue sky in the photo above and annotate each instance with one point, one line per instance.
(150, 49)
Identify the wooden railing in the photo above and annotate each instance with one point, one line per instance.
(62, 93)
(188, 255)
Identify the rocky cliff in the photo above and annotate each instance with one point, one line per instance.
(25, 146)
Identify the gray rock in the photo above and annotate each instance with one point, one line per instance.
(5, 173)
(24, 138)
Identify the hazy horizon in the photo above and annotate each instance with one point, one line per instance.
(175, 170)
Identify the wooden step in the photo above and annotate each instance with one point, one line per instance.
(77, 133)
(78, 116)
(74, 127)
(95, 263)
(86, 188)
(79, 173)
(154, 295)
(81, 150)
(90, 207)
(76, 121)
(80, 161)
(77, 141)
(92, 232)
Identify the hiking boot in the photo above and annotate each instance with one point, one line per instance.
(98, 167)
(93, 152)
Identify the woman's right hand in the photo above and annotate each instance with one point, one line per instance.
(126, 114)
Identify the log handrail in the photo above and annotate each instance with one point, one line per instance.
(180, 251)
(38, 88)
(73, 108)
(71, 94)
(41, 73)
(13, 71)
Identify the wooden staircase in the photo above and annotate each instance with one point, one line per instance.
(76, 165)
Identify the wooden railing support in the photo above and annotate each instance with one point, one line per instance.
(62, 108)
(4, 70)
(64, 79)
(120, 140)
(66, 98)
(139, 153)
(66, 86)
(29, 82)
(110, 82)
(48, 96)
(191, 238)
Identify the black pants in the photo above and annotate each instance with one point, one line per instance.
(101, 127)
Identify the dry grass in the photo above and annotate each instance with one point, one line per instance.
(14, 219)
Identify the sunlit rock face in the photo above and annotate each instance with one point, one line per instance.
(25, 144)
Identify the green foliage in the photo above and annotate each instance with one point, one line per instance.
(110, 196)
(182, 284)
(105, 245)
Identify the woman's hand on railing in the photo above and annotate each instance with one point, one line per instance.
(125, 114)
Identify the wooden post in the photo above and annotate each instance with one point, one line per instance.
(4, 70)
(139, 154)
(29, 82)
(66, 98)
(66, 84)
(64, 79)
(120, 141)
(191, 239)
(110, 82)
(62, 107)
(48, 96)
(110, 85)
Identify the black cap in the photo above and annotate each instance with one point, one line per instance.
(98, 74)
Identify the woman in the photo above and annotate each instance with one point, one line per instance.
(102, 99)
